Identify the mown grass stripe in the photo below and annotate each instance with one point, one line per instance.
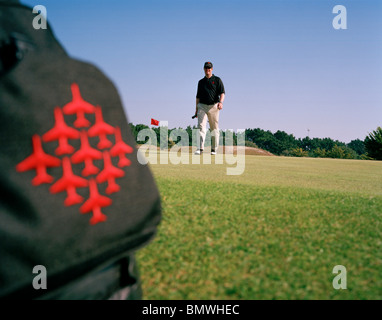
(239, 241)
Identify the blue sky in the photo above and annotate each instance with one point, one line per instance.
(283, 64)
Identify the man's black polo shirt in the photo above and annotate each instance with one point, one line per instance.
(209, 90)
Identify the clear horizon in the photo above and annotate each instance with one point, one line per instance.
(283, 65)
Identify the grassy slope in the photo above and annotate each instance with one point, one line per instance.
(275, 232)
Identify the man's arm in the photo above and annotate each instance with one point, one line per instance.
(197, 102)
(197, 98)
(220, 104)
(222, 94)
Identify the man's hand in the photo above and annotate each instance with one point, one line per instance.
(220, 106)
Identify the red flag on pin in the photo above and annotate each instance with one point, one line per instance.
(154, 122)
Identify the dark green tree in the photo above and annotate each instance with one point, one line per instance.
(189, 133)
(373, 144)
(358, 146)
(286, 141)
(135, 129)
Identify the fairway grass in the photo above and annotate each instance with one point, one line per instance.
(274, 232)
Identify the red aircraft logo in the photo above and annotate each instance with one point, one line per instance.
(39, 161)
(79, 107)
(101, 129)
(69, 182)
(87, 154)
(61, 132)
(120, 149)
(91, 175)
(109, 174)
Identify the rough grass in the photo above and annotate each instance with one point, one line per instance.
(275, 232)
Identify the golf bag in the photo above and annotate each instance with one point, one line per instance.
(75, 203)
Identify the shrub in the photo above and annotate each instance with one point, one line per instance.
(298, 152)
(250, 144)
(319, 153)
(342, 152)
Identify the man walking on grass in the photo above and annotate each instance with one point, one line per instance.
(209, 102)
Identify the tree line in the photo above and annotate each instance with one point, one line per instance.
(279, 143)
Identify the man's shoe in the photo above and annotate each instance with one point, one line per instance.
(198, 152)
(213, 152)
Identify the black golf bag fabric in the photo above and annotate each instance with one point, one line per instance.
(73, 196)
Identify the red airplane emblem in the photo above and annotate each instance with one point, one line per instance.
(120, 149)
(95, 203)
(109, 173)
(78, 106)
(61, 132)
(87, 154)
(69, 182)
(39, 160)
(101, 129)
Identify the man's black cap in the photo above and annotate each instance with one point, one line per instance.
(208, 65)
